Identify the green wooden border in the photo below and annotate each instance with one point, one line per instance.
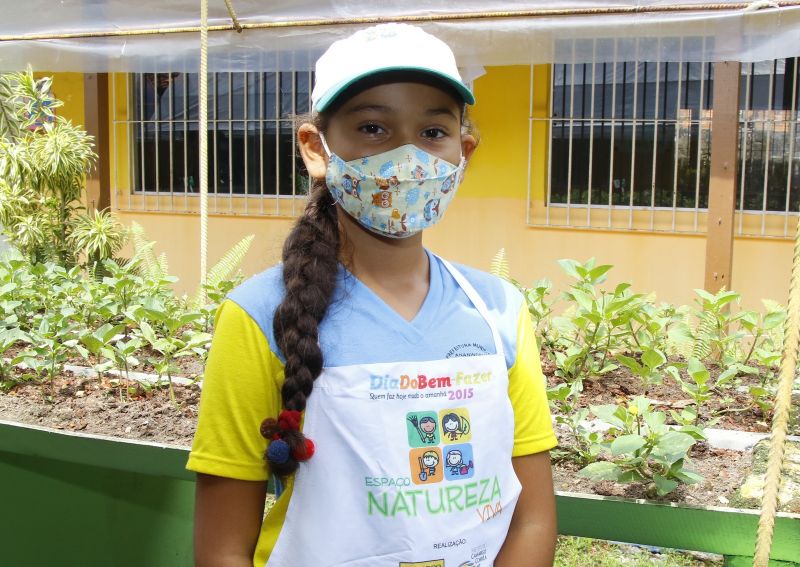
(100, 497)
(95, 450)
(726, 531)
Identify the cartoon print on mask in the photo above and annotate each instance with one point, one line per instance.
(398, 222)
(448, 184)
(424, 465)
(413, 177)
(422, 429)
(382, 199)
(431, 209)
(351, 186)
(458, 463)
(455, 425)
(413, 196)
(419, 174)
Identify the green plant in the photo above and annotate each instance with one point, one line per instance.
(222, 272)
(715, 335)
(170, 335)
(52, 342)
(642, 448)
(699, 386)
(9, 338)
(585, 444)
(599, 324)
(99, 343)
(44, 160)
(650, 369)
(98, 235)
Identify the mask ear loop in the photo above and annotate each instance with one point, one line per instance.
(325, 144)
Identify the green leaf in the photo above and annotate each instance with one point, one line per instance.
(631, 363)
(602, 470)
(773, 320)
(664, 485)
(584, 300)
(653, 358)
(655, 421)
(631, 476)
(687, 477)
(726, 376)
(695, 431)
(569, 266)
(607, 413)
(705, 295)
(697, 371)
(673, 445)
(627, 444)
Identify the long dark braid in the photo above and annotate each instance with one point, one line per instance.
(310, 256)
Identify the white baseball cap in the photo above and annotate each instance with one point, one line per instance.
(382, 48)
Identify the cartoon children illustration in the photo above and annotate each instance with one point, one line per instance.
(454, 426)
(456, 464)
(425, 426)
(427, 465)
(428, 426)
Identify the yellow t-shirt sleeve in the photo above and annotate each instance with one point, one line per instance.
(241, 387)
(533, 428)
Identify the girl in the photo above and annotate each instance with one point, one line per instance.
(350, 335)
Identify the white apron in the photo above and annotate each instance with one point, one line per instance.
(412, 465)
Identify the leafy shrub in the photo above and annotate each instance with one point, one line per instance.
(640, 447)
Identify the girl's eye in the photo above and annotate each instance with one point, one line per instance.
(372, 129)
(434, 133)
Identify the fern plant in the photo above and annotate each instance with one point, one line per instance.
(223, 269)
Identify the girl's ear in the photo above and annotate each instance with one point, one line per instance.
(312, 151)
(468, 145)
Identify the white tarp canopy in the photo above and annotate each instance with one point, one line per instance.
(544, 31)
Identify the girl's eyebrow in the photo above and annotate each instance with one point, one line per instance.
(369, 107)
(440, 111)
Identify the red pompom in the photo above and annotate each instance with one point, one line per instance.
(289, 420)
(305, 454)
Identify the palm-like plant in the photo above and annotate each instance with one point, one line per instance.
(98, 235)
(44, 160)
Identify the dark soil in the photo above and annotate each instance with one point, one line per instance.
(128, 409)
(727, 410)
(723, 472)
(111, 407)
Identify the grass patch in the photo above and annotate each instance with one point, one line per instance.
(576, 551)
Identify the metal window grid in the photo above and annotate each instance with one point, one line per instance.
(769, 146)
(150, 177)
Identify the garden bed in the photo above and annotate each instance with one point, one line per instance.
(130, 409)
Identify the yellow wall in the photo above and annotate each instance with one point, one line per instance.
(489, 214)
(68, 87)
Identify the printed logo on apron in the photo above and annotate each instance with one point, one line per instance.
(412, 465)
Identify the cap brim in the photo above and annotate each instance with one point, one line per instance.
(333, 93)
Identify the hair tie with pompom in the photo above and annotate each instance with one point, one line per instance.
(278, 451)
(304, 453)
(289, 420)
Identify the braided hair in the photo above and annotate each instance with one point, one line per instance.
(310, 266)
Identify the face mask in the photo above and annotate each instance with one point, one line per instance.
(395, 193)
